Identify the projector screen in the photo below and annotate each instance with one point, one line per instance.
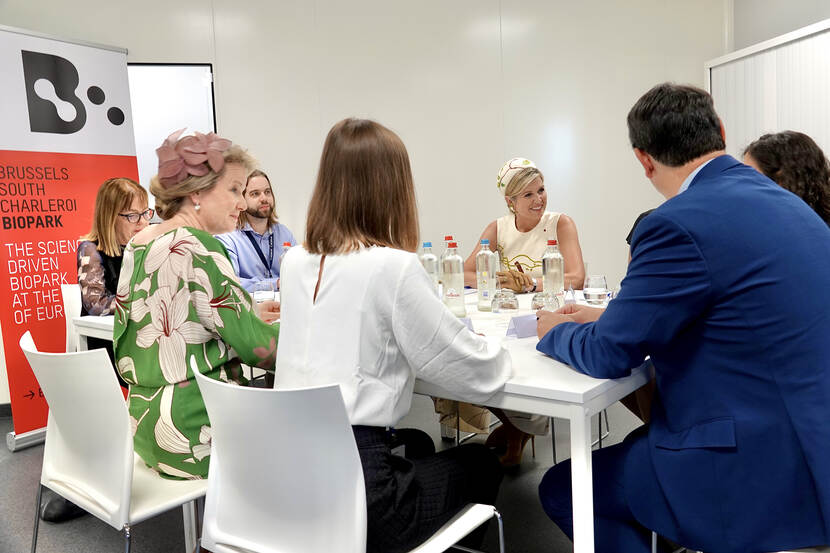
(165, 98)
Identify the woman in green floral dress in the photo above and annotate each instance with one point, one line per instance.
(180, 308)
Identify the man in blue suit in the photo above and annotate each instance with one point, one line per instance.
(728, 292)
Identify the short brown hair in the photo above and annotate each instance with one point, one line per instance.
(364, 194)
(169, 200)
(243, 215)
(114, 196)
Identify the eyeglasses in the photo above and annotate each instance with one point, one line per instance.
(134, 217)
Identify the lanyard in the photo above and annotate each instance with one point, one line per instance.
(258, 250)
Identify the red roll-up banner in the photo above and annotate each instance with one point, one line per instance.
(66, 126)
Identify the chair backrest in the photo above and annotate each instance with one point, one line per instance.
(71, 308)
(89, 444)
(284, 474)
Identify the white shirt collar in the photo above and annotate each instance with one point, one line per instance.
(692, 175)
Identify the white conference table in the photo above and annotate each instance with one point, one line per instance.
(539, 385)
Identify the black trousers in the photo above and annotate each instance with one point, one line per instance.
(408, 499)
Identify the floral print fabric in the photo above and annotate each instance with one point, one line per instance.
(179, 309)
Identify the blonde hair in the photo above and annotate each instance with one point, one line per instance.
(364, 194)
(169, 200)
(243, 215)
(114, 196)
(520, 180)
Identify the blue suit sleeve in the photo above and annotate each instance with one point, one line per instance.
(667, 287)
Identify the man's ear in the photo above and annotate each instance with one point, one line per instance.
(722, 131)
(646, 161)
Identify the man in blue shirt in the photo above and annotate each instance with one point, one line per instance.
(727, 293)
(256, 246)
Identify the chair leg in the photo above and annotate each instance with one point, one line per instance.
(501, 530)
(127, 539)
(553, 440)
(654, 542)
(37, 516)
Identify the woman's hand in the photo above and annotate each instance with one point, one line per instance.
(268, 311)
(516, 281)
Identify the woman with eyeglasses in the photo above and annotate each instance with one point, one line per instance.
(120, 213)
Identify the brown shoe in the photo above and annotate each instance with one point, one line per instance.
(498, 439)
(516, 441)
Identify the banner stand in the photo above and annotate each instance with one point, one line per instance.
(67, 128)
(16, 442)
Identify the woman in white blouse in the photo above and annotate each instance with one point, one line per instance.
(359, 310)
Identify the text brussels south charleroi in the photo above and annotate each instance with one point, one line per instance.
(26, 202)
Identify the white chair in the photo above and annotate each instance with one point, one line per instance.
(71, 294)
(285, 475)
(88, 457)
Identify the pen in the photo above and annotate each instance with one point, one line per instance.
(519, 267)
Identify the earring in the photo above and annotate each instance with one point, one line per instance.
(197, 207)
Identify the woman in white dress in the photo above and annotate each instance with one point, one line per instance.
(358, 310)
(521, 237)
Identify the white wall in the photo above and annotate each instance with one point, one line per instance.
(467, 84)
(759, 20)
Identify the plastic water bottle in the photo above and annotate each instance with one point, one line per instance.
(285, 247)
(553, 270)
(430, 263)
(447, 240)
(452, 268)
(487, 264)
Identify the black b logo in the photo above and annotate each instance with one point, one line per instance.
(51, 83)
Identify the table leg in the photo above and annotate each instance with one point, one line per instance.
(581, 480)
(82, 343)
(191, 533)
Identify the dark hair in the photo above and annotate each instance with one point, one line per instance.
(364, 194)
(794, 161)
(675, 124)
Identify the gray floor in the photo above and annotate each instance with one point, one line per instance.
(527, 529)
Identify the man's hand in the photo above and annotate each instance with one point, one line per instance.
(581, 313)
(546, 320)
(571, 313)
(516, 281)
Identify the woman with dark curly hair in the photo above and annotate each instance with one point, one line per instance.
(794, 161)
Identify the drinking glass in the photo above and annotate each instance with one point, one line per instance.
(595, 289)
(544, 300)
(505, 300)
(263, 291)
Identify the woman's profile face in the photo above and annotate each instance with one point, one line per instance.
(530, 203)
(124, 229)
(219, 207)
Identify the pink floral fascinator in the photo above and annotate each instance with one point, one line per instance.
(192, 155)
